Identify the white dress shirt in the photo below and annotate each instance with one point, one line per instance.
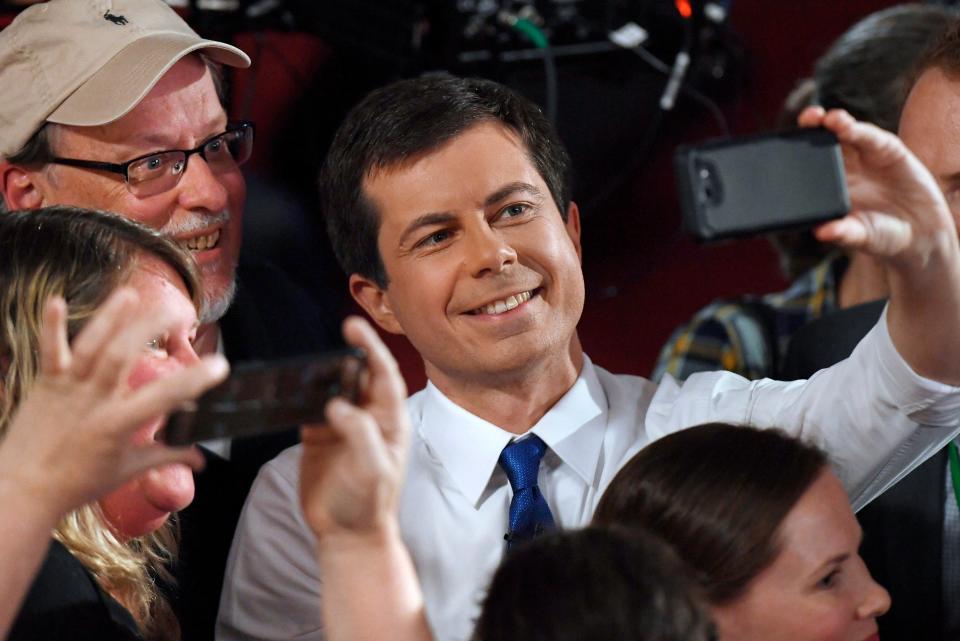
(454, 507)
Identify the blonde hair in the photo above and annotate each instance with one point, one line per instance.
(83, 255)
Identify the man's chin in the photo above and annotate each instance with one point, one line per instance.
(216, 304)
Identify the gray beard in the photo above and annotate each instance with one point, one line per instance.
(214, 309)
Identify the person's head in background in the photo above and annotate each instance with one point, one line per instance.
(930, 124)
(764, 526)
(867, 71)
(594, 583)
(119, 88)
(125, 538)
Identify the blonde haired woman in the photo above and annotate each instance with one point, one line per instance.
(72, 370)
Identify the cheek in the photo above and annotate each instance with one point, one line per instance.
(153, 211)
(144, 504)
(835, 624)
(150, 368)
(129, 513)
(142, 373)
(804, 620)
(145, 371)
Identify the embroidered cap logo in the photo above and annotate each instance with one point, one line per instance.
(120, 20)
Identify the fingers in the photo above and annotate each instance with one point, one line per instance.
(811, 116)
(147, 457)
(864, 137)
(54, 346)
(166, 393)
(882, 147)
(386, 382)
(356, 428)
(105, 324)
(122, 352)
(872, 232)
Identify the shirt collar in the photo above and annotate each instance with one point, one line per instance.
(468, 447)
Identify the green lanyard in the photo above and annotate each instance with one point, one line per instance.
(954, 470)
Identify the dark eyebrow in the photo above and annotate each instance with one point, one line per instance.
(427, 220)
(509, 189)
(441, 218)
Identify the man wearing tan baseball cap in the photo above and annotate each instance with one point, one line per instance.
(114, 105)
(91, 85)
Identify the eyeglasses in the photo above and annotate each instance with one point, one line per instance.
(161, 171)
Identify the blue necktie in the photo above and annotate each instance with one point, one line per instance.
(529, 513)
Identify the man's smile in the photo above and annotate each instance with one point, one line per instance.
(504, 304)
(202, 242)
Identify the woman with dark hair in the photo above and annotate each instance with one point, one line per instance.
(764, 525)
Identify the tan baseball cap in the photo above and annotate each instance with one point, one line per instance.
(89, 62)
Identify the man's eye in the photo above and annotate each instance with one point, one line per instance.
(512, 211)
(215, 146)
(149, 167)
(435, 238)
(153, 163)
(158, 344)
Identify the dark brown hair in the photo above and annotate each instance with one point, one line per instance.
(943, 54)
(595, 583)
(718, 493)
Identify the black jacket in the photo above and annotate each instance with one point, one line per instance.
(903, 527)
(65, 603)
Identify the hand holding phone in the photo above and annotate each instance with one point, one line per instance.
(264, 396)
(761, 183)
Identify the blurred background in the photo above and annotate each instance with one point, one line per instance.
(600, 68)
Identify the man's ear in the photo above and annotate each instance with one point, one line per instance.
(573, 227)
(375, 301)
(19, 188)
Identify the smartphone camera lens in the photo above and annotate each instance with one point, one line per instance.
(709, 191)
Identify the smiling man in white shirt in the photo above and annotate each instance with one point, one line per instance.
(449, 206)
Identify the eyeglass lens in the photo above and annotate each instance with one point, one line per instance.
(160, 172)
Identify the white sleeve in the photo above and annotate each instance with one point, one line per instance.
(873, 415)
(272, 586)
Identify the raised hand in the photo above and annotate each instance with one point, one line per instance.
(353, 466)
(900, 216)
(70, 440)
(351, 472)
(899, 212)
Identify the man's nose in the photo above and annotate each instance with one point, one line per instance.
(488, 251)
(201, 188)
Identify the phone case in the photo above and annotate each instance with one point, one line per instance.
(264, 396)
(761, 183)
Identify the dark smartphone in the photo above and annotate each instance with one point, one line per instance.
(761, 183)
(264, 396)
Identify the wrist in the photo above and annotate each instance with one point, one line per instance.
(26, 490)
(26, 510)
(378, 537)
